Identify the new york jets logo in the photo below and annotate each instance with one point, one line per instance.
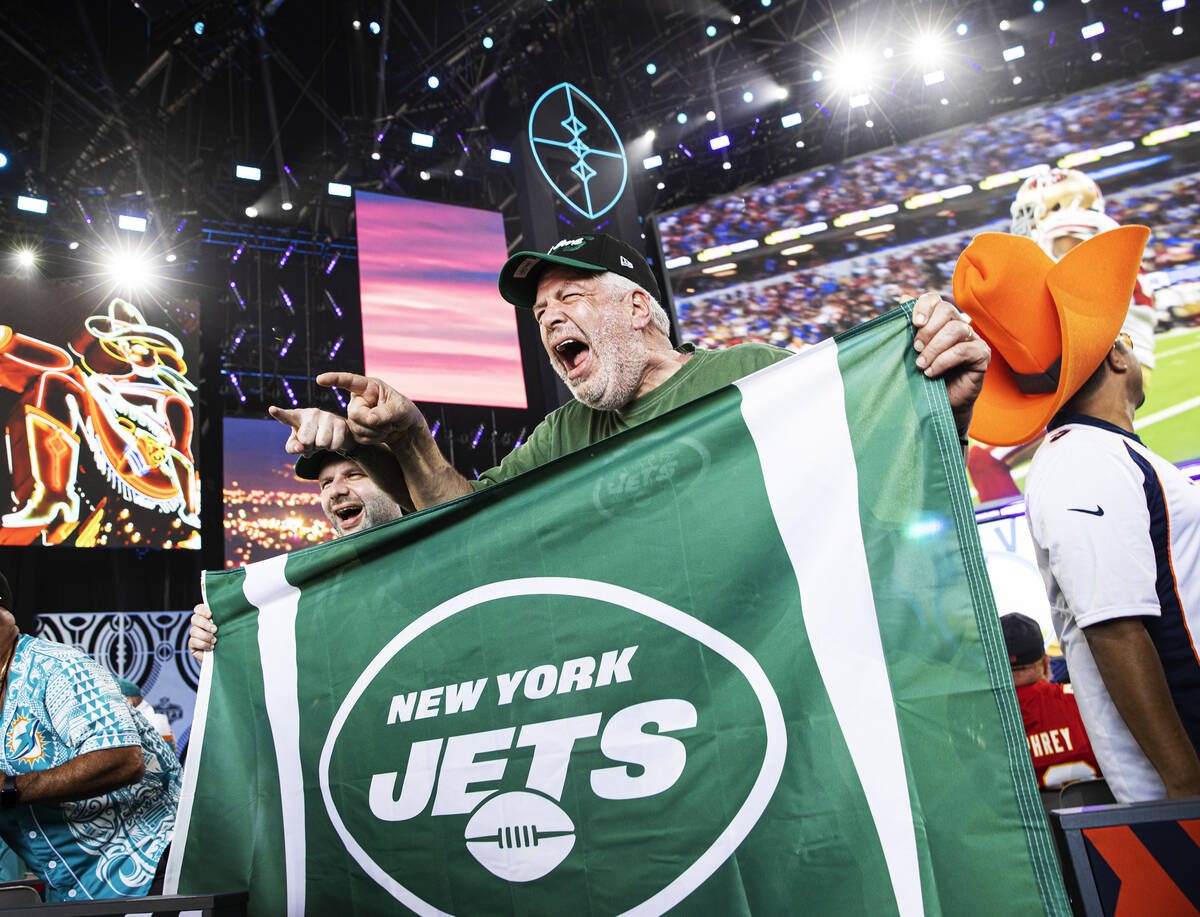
(525, 752)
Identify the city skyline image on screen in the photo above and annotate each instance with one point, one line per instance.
(434, 324)
(97, 403)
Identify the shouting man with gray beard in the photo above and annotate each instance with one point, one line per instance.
(595, 300)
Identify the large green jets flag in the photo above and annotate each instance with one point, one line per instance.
(742, 659)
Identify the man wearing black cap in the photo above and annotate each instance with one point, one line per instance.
(89, 789)
(596, 304)
(1058, 742)
(360, 485)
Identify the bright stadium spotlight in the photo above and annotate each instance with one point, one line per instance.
(1016, 52)
(130, 222)
(1016, 80)
(935, 77)
(252, 211)
(1005, 25)
(501, 156)
(1039, 5)
(735, 19)
(3, 160)
(488, 42)
(652, 68)
(25, 258)
(727, 165)
(710, 115)
(710, 31)
(32, 204)
(791, 120)
(889, 53)
(356, 24)
(929, 47)
(681, 117)
(661, 185)
(747, 97)
(1170, 6)
(652, 162)
(248, 173)
(129, 270)
(649, 135)
(73, 244)
(781, 93)
(853, 70)
(817, 76)
(720, 142)
(961, 29)
(1177, 31)
(425, 175)
(286, 205)
(420, 139)
(337, 189)
(859, 100)
(374, 27)
(433, 82)
(1091, 30)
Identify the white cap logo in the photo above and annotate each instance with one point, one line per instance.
(625, 262)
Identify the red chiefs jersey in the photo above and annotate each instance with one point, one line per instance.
(1057, 740)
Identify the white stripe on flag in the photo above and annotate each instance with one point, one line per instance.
(278, 602)
(796, 414)
(187, 793)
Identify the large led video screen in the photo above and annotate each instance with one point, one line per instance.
(268, 510)
(98, 402)
(434, 324)
(796, 261)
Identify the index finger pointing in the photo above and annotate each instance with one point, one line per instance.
(284, 415)
(351, 382)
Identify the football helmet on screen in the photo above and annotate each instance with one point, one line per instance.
(1054, 192)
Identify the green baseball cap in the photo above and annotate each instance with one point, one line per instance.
(593, 252)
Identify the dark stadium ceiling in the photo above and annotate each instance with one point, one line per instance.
(115, 106)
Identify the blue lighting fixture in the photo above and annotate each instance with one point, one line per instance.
(652, 68)
(766, 2)
(337, 345)
(248, 173)
(488, 42)
(237, 253)
(237, 295)
(478, 437)
(420, 139)
(337, 310)
(501, 156)
(287, 253)
(286, 385)
(3, 160)
(198, 27)
(433, 82)
(32, 204)
(720, 142)
(1039, 5)
(681, 117)
(374, 27)
(711, 31)
(332, 263)
(286, 300)
(747, 97)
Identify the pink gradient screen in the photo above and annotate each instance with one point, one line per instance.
(434, 324)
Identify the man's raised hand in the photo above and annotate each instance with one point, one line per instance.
(948, 349)
(313, 429)
(377, 413)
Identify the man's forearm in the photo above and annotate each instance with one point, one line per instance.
(91, 774)
(1133, 675)
(430, 478)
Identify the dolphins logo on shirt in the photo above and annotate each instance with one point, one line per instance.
(24, 740)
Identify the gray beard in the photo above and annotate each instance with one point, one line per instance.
(620, 362)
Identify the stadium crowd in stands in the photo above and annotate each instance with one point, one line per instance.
(807, 306)
(1041, 134)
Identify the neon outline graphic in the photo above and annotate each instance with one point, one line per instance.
(577, 145)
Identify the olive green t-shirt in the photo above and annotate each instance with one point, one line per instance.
(575, 426)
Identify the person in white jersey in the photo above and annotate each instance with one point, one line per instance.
(1116, 527)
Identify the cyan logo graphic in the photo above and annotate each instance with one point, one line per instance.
(578, 150)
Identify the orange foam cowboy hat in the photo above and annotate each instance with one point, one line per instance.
(1049, 325)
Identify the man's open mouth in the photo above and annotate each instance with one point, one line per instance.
(573, 354)
(348, 515)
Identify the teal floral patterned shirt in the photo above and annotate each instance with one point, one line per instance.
(61, 704)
